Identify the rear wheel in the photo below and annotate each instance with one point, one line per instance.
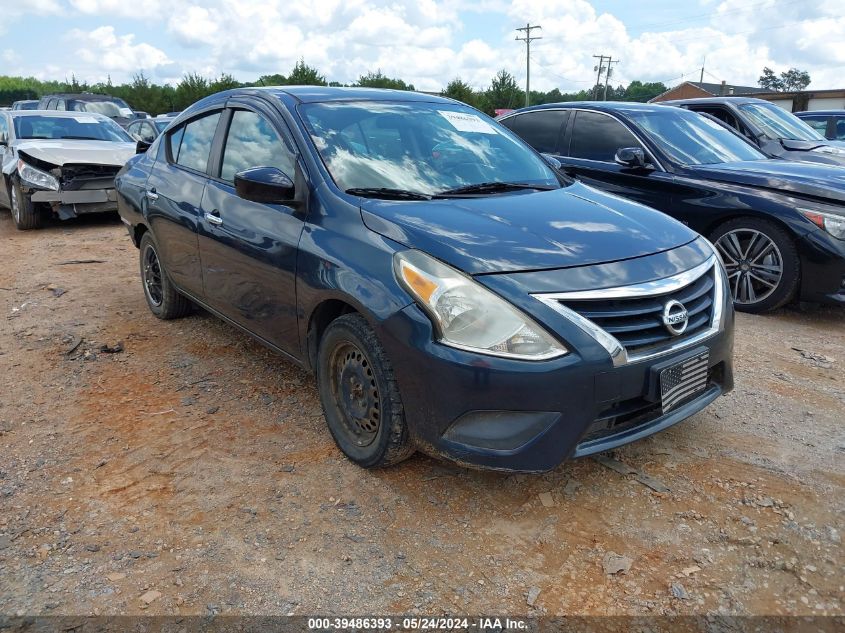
(24, 212)
(762, 263)
(162, 297)
(359, 395)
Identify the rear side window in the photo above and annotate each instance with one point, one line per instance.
(541, 130)
(818, 123)
(839, 129)
(598, 137)
(190, 145)
(253, 142)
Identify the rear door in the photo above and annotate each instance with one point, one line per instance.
(592, 141)
(249, 249)
(174, 197)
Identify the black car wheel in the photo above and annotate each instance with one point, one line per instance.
(359, 395)
(24, 212)
(162, 297)
(762, 263)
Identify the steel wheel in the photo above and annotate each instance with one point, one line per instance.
(152, 276)
(754, 264)
(15, 204)
(355, 393)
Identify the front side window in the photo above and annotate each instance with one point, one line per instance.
(146, 132)
(252, 142)
(839, 129)
(541, 129)
(691, 139)
(775, 122)
(818, 123)
(598, 137)
(191, 143)
(79, 127)
(60, 104)
(424, 148)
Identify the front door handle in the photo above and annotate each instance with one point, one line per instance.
(213, 217)
(151, 194)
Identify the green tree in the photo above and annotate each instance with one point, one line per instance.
(461, 91)
(304, 75)
(224, 82)
(792, 80)
(504, 92)
(380, 80)
(272, 80)
(191, 89)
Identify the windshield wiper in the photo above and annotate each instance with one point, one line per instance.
(493, 187)
(387, 193)
(82, 138)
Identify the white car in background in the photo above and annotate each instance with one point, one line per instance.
(59, 163)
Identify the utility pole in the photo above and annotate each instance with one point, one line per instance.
(610, 61)
(600, 68)
(703, 60)
(528, 39)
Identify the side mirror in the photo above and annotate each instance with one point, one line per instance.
(632, 157)
(141, 147)
(553, 162)
(264, 184)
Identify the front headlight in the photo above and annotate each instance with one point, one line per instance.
(468, 316)
(830, 222)
(37, 178)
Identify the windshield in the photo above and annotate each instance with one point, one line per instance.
(777, 123)
(424, 148)
(70, 127)
(112, 108)
(25, 105)
(693, 139)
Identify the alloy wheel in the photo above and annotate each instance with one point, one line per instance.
(355, 393)
(152, 277)
(753, 262)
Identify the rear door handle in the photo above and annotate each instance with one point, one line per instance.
(213, 217)
(151, 194)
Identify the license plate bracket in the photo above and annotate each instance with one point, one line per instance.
(684, 379)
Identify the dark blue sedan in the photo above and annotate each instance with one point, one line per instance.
(451, 291)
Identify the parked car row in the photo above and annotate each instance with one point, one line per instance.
(546, 277)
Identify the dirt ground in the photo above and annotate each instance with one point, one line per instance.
(192, 473)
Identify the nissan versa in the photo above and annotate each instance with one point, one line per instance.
(452, 293)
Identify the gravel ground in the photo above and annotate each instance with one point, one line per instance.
(192, 473)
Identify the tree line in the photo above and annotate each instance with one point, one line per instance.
(142, 94)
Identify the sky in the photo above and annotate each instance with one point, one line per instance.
(425, 42)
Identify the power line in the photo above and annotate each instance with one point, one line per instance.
(528, 39)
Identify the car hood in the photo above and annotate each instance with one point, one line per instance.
(536, 230)
(809, 179)
(68, 151)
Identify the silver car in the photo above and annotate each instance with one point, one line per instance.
(59, 163)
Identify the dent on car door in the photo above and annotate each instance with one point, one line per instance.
(174, 198)
(593, 140)
(249, 249)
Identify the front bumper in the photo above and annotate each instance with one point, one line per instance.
(822, 268)
(69, 204)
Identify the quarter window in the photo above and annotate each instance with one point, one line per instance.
(541, 130)
(190, 145)
(599, 137)
(252, 142)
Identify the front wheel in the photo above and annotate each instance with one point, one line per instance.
(359, 395)
(761, 261)
(24, 212)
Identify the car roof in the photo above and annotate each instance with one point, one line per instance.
(82, 96)
(819, 112)
(717, 100)
(601, 106)
(313, 94)
(61, 114)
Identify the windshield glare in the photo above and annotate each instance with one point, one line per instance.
(425, 148)
(692, 139)
(777, 123)
(80, 126)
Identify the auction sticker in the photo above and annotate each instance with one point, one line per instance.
(84, 119)
(467, 122)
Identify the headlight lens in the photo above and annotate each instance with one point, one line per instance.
(467, 315)
(36, 177)
(830, 222)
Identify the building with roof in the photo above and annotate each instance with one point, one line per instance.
(698, 89)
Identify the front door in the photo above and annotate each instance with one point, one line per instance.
(248, 249)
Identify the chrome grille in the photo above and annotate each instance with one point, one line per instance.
(637, 322)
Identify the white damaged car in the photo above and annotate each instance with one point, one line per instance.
(59, 163)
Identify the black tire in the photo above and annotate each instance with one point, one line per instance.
(163, 299)
(752, 265)
(25, 214)
(359, 395)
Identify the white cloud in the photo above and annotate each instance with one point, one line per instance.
(109, 53)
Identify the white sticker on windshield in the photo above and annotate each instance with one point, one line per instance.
(84, 119)
(467, 122)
